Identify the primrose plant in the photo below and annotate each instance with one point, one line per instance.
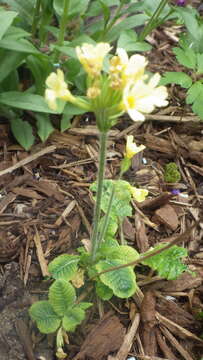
(105, 264)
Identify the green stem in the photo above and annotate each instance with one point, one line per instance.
(62, 28)
(36, 17)
(150, 26)
(113, 20)
(97, 210)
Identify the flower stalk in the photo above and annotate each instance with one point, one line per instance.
(95, 240)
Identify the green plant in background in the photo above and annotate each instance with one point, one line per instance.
(171, 173)
(190, 55)
(111, 90)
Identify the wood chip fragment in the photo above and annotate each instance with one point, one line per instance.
(40, 254)
(166, 215)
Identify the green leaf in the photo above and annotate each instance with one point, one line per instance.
(44, 126)
(64, 267)
(61, 296)
(128, 40)
(47, 320)
(186, 57)
(195, 97)
(123, 252)
(6, 19)
(84, 305)
(126, 24)
(24, 8)
(22, 45)
(9, 61)
(168, 263)
(103, 291)
(75, 7)
(25, 101)
(106, 12)
(121, 281)
(199, 63)
(22, 131)
(179, 78)
(112, 226)
(72, 318)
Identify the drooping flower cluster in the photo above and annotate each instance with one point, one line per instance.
(125, 88)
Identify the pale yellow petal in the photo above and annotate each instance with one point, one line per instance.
(139, 194)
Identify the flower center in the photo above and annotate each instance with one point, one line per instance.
(131, 101)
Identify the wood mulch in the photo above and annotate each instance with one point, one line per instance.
(46, 209)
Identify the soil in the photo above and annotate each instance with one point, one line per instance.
(46, 210)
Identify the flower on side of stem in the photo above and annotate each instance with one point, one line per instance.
(92, 57)
(57, 88)
(141, 97)
(132, 148)
(138, 194)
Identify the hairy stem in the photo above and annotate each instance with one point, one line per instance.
(97, 211)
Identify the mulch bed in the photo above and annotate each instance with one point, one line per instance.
(46, 210)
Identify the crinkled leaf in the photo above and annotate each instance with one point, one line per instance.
(72, 318)
(84, 305)
(103, 291)
(112, 226)
(61, 296)
(43, 313)
(64, 266)
(123, 252)
(186, 57)
(121, 281)
(167, 263)
(129, 41)
(179, 78)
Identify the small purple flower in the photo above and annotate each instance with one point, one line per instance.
(181, 2)
(175, 192)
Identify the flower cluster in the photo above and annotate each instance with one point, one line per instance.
(125, 88)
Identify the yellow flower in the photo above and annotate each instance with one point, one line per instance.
(57, 88)
(138, 194)
(92, 56)
(132, 148)
(125, 70)
(141, 97)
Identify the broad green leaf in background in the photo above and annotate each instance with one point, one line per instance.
(61, 296)
(22, 45)
(22, 131)
(9, 61)
(69, 111)
(23, 7)
(121, 281)
(6, 19)
(168, 263)
(75, 7)
(199, 63)
(195, 97)
(128, 23)
(186, 57)
(44, 126)
(179, 78)
(47, 320)
(64, 267)
(129, 41)
(25, 101)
